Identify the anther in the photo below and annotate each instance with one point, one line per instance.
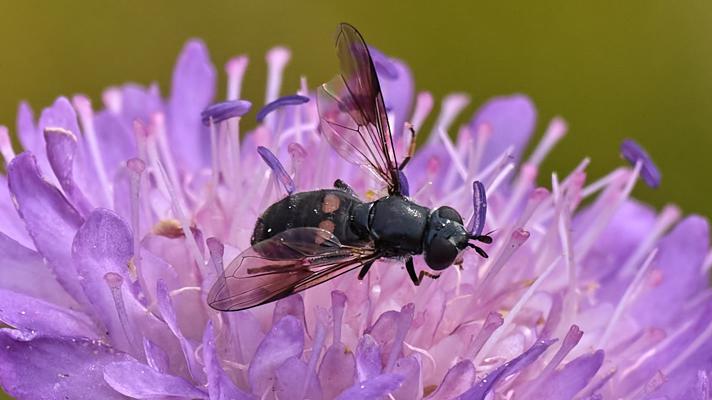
(292, 100)
(225, 110)
(631, 151)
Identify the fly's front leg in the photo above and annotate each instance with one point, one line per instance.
(417, 278)
(341, 185)
(364, 270)
(411, 147)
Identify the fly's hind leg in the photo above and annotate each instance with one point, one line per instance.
(411, 147)
(341, 185)
(418, 278)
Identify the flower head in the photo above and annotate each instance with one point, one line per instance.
(116, 221)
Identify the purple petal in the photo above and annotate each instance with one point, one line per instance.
(457, 380)
(631, 151)
(384, 67)
(55, 368)
(292, 305)
(61, 150)
(192, 91)
(139, 381)
(479, 203)
(27, 131)
(225, 110)
(102, 245)
(511, 120)
(410, 369)
(290, 378)
(49, 218)
(374, 388)
(246, 334)
(116, 140)
(292, 100)
(277, 169)
(24, 271)
(168, 312)
(284, 340)
(368, 358)
(398, 89)
(570, 380)
(220, 387)
(156, 357)
(10, 222)
(337, 370)
(679, 260)
(480, 390)
(135, 102)
(35, 315)
(60, 115)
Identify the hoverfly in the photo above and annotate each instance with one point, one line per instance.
(311, 237)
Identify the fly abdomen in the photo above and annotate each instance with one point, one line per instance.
(328, 209)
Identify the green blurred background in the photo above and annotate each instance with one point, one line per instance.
(637, 69)
(612, 69)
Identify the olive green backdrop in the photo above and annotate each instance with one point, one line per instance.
(639, 68)
(612, 69)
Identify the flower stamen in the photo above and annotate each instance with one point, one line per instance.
(556, 130)
(669, 216)
(235, 70)
(115, 281)
(626, 300)
(6, 145)
(86, 117)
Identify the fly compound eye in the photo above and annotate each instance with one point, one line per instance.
(449, 213)
(440, 253)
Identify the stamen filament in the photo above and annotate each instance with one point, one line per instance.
(423, 106)
(556, 130)
(115, 281)
(178, 210)
(669, 216)
(86, 117)
(136, 168)
(6, 145)
(457, 162)
(235, 69)
(451, 107)
(625, 300)
(509, 318)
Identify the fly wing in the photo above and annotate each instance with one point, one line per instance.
(353, 114)
(287, 263)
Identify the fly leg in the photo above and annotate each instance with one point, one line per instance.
(417, 279)
(341, 185)
(411, 147)
(364, 270)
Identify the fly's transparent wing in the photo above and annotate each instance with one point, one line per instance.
(353, 114)
(287, 263)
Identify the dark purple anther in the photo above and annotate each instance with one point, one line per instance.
(384, 67)
(404, 187)
(219, 112)
(631, 151)
(279, 172)
(479, 202)
(293, 100)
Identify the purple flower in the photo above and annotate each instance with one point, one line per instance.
(117, 219)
